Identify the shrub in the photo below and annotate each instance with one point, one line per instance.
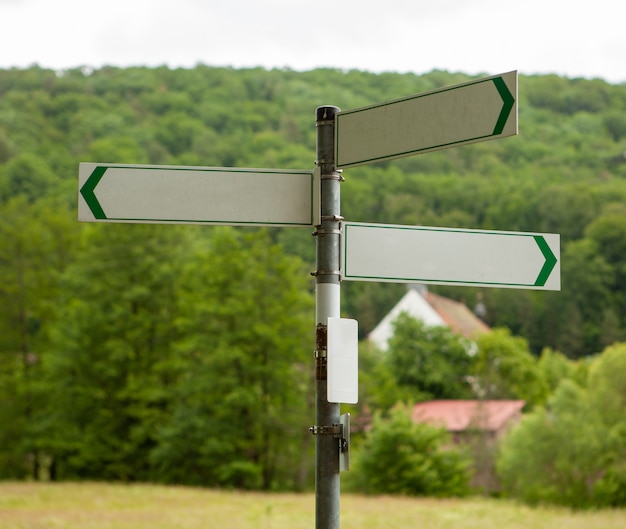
(403, 457)
(572, 451)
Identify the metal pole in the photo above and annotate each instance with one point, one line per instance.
(327, 299)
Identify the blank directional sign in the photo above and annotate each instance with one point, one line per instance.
(392, 253)
(479, 110)
(197, 195)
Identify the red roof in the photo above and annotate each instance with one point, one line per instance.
(461, 415)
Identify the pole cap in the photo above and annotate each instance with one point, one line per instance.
(326, 112)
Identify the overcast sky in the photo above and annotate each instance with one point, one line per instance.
(568, 37)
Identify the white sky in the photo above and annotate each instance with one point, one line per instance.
(569, 37)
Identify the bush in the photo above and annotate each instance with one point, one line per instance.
(572, 452)
(402, 457)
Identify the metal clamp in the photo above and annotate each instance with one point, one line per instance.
(326, 273)
(334, 218)
(335, 175)
(324, 231)
(336, 430)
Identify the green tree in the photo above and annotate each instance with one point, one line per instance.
(556, 454)
(121, 149)
(37, 242)
(176, 131)
(607, 393)
(402, 457)
(244, 386)
(503, 368)
(378, 388)
(608, 231)
(556, 367)
(615, 122)
(27, 175)
(428, 362)
(577, 314)
(108, 368)
(571, 452)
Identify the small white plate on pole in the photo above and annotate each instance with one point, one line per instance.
(343, 361)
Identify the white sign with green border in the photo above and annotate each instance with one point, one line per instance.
(198, 195)
(446, 256)
(479, 110)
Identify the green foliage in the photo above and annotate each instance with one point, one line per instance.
(555, 455)
(111, 341)
(402, 457)
(427, 362)
(113, 348)
(15, 415)
(607, 393)
(558, 175)
(179, 360)
(590, 281)
(556, 367)
(244, 320)
(572, 451)
(26, 175)
(37, 242)
(503, 368)
(378, 387)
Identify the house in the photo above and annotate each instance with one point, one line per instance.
(431, 309)
(476, 424)
(466, 418)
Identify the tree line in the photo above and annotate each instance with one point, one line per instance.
(564, 173)
(159, 356)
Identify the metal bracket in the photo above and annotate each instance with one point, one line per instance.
(341, 432)
(336, 430)
(344, 446)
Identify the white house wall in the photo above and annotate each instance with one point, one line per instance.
(415, 306)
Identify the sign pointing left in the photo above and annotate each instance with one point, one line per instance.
(197, 195)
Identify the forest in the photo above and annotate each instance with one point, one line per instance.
(183, 354)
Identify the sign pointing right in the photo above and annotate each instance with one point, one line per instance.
(479, 110)
(403, 254)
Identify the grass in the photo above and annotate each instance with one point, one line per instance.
(111, 506)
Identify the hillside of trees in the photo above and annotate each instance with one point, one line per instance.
(116, 340)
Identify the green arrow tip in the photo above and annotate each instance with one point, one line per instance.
(550, 263)
(507, 104)
(87, 191)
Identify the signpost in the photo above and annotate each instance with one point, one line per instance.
(197, 195)
(479, 110)
(402, 254)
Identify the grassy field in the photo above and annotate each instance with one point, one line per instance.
(103, 506)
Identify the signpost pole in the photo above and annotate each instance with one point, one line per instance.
(327, 297)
